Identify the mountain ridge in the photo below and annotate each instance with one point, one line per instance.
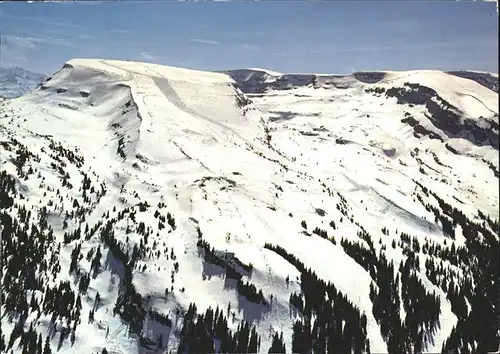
(16, 81)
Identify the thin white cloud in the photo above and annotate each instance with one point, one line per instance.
(43, 20)
(118, 31)
(241, 34)
(204, 41)
(71, 2)
(11, 57)
(33, 42)
(89, 2)
(410, 46)
(19, 42)
(50, 22)
(249, 46)
(22, 50)
(276, 54)
(148, 56)
(62, 2)
(158, 58)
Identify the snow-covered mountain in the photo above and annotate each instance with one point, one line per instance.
(15, 81)
(152, 209)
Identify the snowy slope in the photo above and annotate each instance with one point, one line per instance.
(15, 82)
(192, 184)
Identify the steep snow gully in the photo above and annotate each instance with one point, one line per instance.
(152, 209)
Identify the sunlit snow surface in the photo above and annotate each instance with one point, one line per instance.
(182, 125)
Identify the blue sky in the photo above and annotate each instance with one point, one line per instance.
(285, 36)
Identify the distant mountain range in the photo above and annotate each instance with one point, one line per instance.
(15, 81)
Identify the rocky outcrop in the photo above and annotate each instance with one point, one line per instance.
(369, 77)
(485, 79)
(411, 94)
(255, 81)
(444, 116)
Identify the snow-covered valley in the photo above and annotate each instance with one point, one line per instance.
(151, 209)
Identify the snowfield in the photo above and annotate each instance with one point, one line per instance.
(189, 185)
